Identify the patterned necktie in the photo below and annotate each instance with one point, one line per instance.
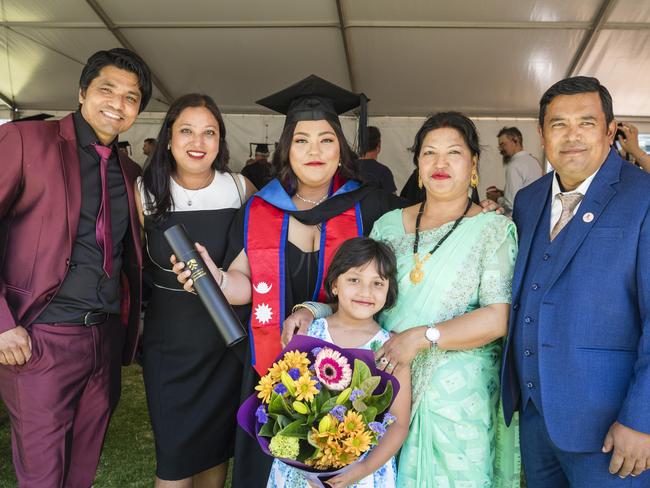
(569, 203)
(103, 233)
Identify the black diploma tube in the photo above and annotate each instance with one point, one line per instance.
(206, 287)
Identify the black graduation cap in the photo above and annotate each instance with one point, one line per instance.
(124, 145)
(315, 99)
(262, 148)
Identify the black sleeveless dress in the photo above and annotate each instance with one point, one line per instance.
(192, 379)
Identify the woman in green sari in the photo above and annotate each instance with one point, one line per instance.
(455, 267)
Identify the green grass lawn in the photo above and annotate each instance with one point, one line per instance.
(128, 459)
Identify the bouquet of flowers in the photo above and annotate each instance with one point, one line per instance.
(320, 407)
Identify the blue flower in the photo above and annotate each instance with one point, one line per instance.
(377, 428)
(338, 412)
(357, 394)
(294, 373)
(317, 385)
(316, 350)
(389, 418)
(261, 415)
(280, 389)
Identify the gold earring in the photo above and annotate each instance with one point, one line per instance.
(419, 182)
(474, 178)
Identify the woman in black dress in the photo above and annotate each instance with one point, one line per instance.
(192, 379)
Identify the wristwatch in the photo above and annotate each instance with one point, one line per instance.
(432, 334)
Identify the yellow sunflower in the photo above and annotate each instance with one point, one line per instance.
(306, 388)
(265, 388)
(358, 442)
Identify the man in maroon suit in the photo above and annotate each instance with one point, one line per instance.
(70, 278)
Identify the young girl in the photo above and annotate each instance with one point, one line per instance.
(362, 280)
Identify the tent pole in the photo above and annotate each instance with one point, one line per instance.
(588, 42)
(110, 25)
(346, 46)
(12, 106)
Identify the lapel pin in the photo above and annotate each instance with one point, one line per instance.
(588, 217)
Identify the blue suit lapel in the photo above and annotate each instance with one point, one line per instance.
(598, 195)
(526, 225)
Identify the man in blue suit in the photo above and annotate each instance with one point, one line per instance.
(577, 360)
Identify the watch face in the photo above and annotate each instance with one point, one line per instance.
(432, 334)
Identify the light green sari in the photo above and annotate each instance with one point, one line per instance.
(457, 437)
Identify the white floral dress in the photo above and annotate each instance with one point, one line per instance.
(284, 476)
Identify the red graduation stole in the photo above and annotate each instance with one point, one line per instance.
(266, 230)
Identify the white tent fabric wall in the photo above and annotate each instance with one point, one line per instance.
(397, 138)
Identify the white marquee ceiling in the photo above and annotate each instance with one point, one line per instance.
(489, 57)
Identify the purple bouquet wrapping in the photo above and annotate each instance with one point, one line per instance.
(320, 407)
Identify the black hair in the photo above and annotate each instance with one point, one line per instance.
(151, 140)
(512, 133)
(575, 86)
(451, 120)
(282, 165)
(159, 171)
(123, 59)
(357, 252)
(374, 138)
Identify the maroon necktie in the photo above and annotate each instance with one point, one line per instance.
(103, 227)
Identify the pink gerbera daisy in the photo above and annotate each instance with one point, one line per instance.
(332, 369)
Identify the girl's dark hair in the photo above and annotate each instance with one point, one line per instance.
(123, 59)
(158, 173)
(282, 165)
(451, 120)
(357, 252)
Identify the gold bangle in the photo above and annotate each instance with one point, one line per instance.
(306, 307)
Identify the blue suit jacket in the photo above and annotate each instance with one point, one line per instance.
(594, 318)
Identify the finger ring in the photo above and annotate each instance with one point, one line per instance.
(383, 360)
(390, 365)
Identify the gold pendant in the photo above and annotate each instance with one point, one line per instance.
(416, 275)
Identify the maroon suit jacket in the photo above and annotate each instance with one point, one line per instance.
(40, 201)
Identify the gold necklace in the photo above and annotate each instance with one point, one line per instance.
(417, 275)
(187, 195)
